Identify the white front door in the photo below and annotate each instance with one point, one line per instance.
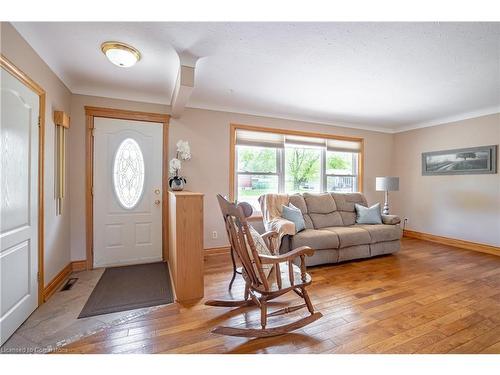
(19, 203)
(127, 192)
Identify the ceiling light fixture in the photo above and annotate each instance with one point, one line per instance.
(120, 54)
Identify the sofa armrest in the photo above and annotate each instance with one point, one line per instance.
(282, 226)
(391, 219)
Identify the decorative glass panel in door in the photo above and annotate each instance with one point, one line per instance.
(128, 173)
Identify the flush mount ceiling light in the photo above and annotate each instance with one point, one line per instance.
(121, 54)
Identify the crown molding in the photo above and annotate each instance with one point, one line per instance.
(372, 128)
(449, 119)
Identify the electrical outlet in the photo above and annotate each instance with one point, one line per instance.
(405, 222)
(214, 234)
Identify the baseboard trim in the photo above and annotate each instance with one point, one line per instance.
(56, 282)
(79, 265)
(217, 250)
(468, 245)
(60, 278)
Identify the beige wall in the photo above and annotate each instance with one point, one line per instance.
(208, 170)
(465, 207)
(462, 206)
(77, 147)
(58, 97)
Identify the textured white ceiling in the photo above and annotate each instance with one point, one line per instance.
(385, 76)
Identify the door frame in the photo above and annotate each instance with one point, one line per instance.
(37, 89)
(120, 114)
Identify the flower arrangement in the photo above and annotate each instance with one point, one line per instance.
(176, 181)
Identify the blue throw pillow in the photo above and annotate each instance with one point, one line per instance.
(368, 215)
(293, 214)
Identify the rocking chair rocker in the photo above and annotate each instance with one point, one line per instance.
(266, 276)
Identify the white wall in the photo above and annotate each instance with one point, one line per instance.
(58, 97)
(465, 207)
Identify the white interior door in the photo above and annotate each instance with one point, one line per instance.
(127, 192)
(19, 203)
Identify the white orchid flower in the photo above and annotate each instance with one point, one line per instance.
(183, 150)
(175, 166)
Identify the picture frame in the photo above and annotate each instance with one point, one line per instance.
(461, 161)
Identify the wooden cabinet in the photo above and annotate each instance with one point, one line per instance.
(186, 244)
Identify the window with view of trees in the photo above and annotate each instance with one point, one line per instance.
(269, 162)
(257, 173)
(302, 169)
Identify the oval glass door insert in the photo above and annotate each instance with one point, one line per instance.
(128, 173)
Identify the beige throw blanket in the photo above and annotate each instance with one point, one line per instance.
(270, 205)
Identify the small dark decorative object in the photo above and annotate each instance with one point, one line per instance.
(176, 183)
(473, 160)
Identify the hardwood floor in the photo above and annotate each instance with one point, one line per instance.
(428, 298)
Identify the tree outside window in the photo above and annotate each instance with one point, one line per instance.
(302, 170)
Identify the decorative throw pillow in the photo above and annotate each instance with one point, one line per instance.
(261, 248)
(368, 215)
(293, 214)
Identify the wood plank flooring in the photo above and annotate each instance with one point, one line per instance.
(428, 298)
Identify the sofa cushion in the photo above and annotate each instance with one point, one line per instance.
(382, 232)
(350, 236)
(381, 248)
(308, 222)
(331, 219)
(354, 252)
(345, 201)
(317, 239)
(319, 203)
(345, 205)
(298, 201)
(322, 257)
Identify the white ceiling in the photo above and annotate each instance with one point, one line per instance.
(381, 76)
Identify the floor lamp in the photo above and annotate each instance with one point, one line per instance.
(386, 184)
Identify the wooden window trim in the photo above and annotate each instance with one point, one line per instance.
(35, 87)
(232, 149)
(121, 114)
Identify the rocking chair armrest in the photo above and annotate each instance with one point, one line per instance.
(273, 259)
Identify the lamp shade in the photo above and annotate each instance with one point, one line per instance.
(387, 183)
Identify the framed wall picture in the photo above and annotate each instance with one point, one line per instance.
(473, 160)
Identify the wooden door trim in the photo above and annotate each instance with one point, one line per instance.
(121, 114)
(35, 87)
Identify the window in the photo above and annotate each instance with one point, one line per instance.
(257, 172)
(302, 169)
(341, 171)
(276, 161)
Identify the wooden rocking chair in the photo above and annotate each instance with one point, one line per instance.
(284, 276)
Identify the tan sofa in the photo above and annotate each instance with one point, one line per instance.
(331, 229)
